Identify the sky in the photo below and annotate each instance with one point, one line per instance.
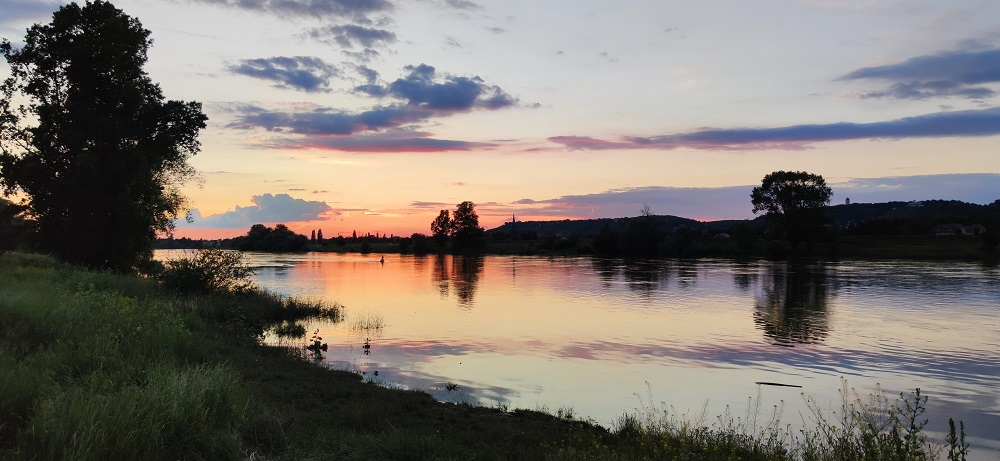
(374, 115)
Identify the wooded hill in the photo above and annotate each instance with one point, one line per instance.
(889, 218)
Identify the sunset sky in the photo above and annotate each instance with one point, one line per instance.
(373, 115)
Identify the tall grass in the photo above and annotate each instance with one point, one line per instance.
(872, 428)
(99, 366)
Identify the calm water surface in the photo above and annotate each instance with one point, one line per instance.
(605, 337)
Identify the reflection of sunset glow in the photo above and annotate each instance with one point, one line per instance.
(598, 334)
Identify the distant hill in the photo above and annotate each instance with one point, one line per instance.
(889, 218)
(584, 227)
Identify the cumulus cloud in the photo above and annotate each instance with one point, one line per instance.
(425, 88)
(266, 209)
(304, 73)
(351, 35)
(357, 10)
(968, 123)
(951, 73)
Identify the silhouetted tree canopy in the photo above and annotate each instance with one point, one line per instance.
(442, 227)
(278, 239)
(96, 150)
(792, 200)
(467, 235)
(462, 226)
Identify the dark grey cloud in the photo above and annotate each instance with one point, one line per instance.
(382, 143)
(351, 36)
(327, 121)
(378, 129)
(424, 88)
(357, 10)
(266, 209)
(304, 73)
(946, 74)
(968, 123)
(496, 30)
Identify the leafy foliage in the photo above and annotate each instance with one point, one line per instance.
(208, 271)
(793, 200)
(97, 150)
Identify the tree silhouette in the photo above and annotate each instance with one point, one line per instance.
(97, 151)
(793, 201)
(442, 227)
(466, 233)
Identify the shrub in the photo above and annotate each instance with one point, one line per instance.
(207, 272)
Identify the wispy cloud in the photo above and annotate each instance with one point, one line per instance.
(733, 202)
(422, 94)
(968, 123)
(326, 121)
(693, 202)
(357, 10)
(382, 143)
(15, 11)
(463, 5)
(951, 73)
(981, 188)
(351, 35)
(266, 209)
(304, 73)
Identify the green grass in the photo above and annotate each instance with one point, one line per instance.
(100, 366)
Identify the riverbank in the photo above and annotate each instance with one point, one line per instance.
(100, 366)
(869, 247)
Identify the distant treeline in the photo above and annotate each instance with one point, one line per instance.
(644, 236)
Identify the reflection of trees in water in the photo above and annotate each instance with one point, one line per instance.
(646, 276)
(462, 273)
(744, 274)
(792, 306)
(607, 270)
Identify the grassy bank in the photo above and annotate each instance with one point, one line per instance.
(103, 366)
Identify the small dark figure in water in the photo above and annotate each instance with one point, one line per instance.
(382, 260)
(368, 346)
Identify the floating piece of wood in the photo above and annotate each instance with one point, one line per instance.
(766, 383)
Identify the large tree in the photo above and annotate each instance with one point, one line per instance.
(466, 232)
(89, 141)
(793, 201)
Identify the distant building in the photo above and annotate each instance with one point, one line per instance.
(915, 204)
(847, 201)
(958, 229)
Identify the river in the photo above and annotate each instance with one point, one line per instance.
(599, 337)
